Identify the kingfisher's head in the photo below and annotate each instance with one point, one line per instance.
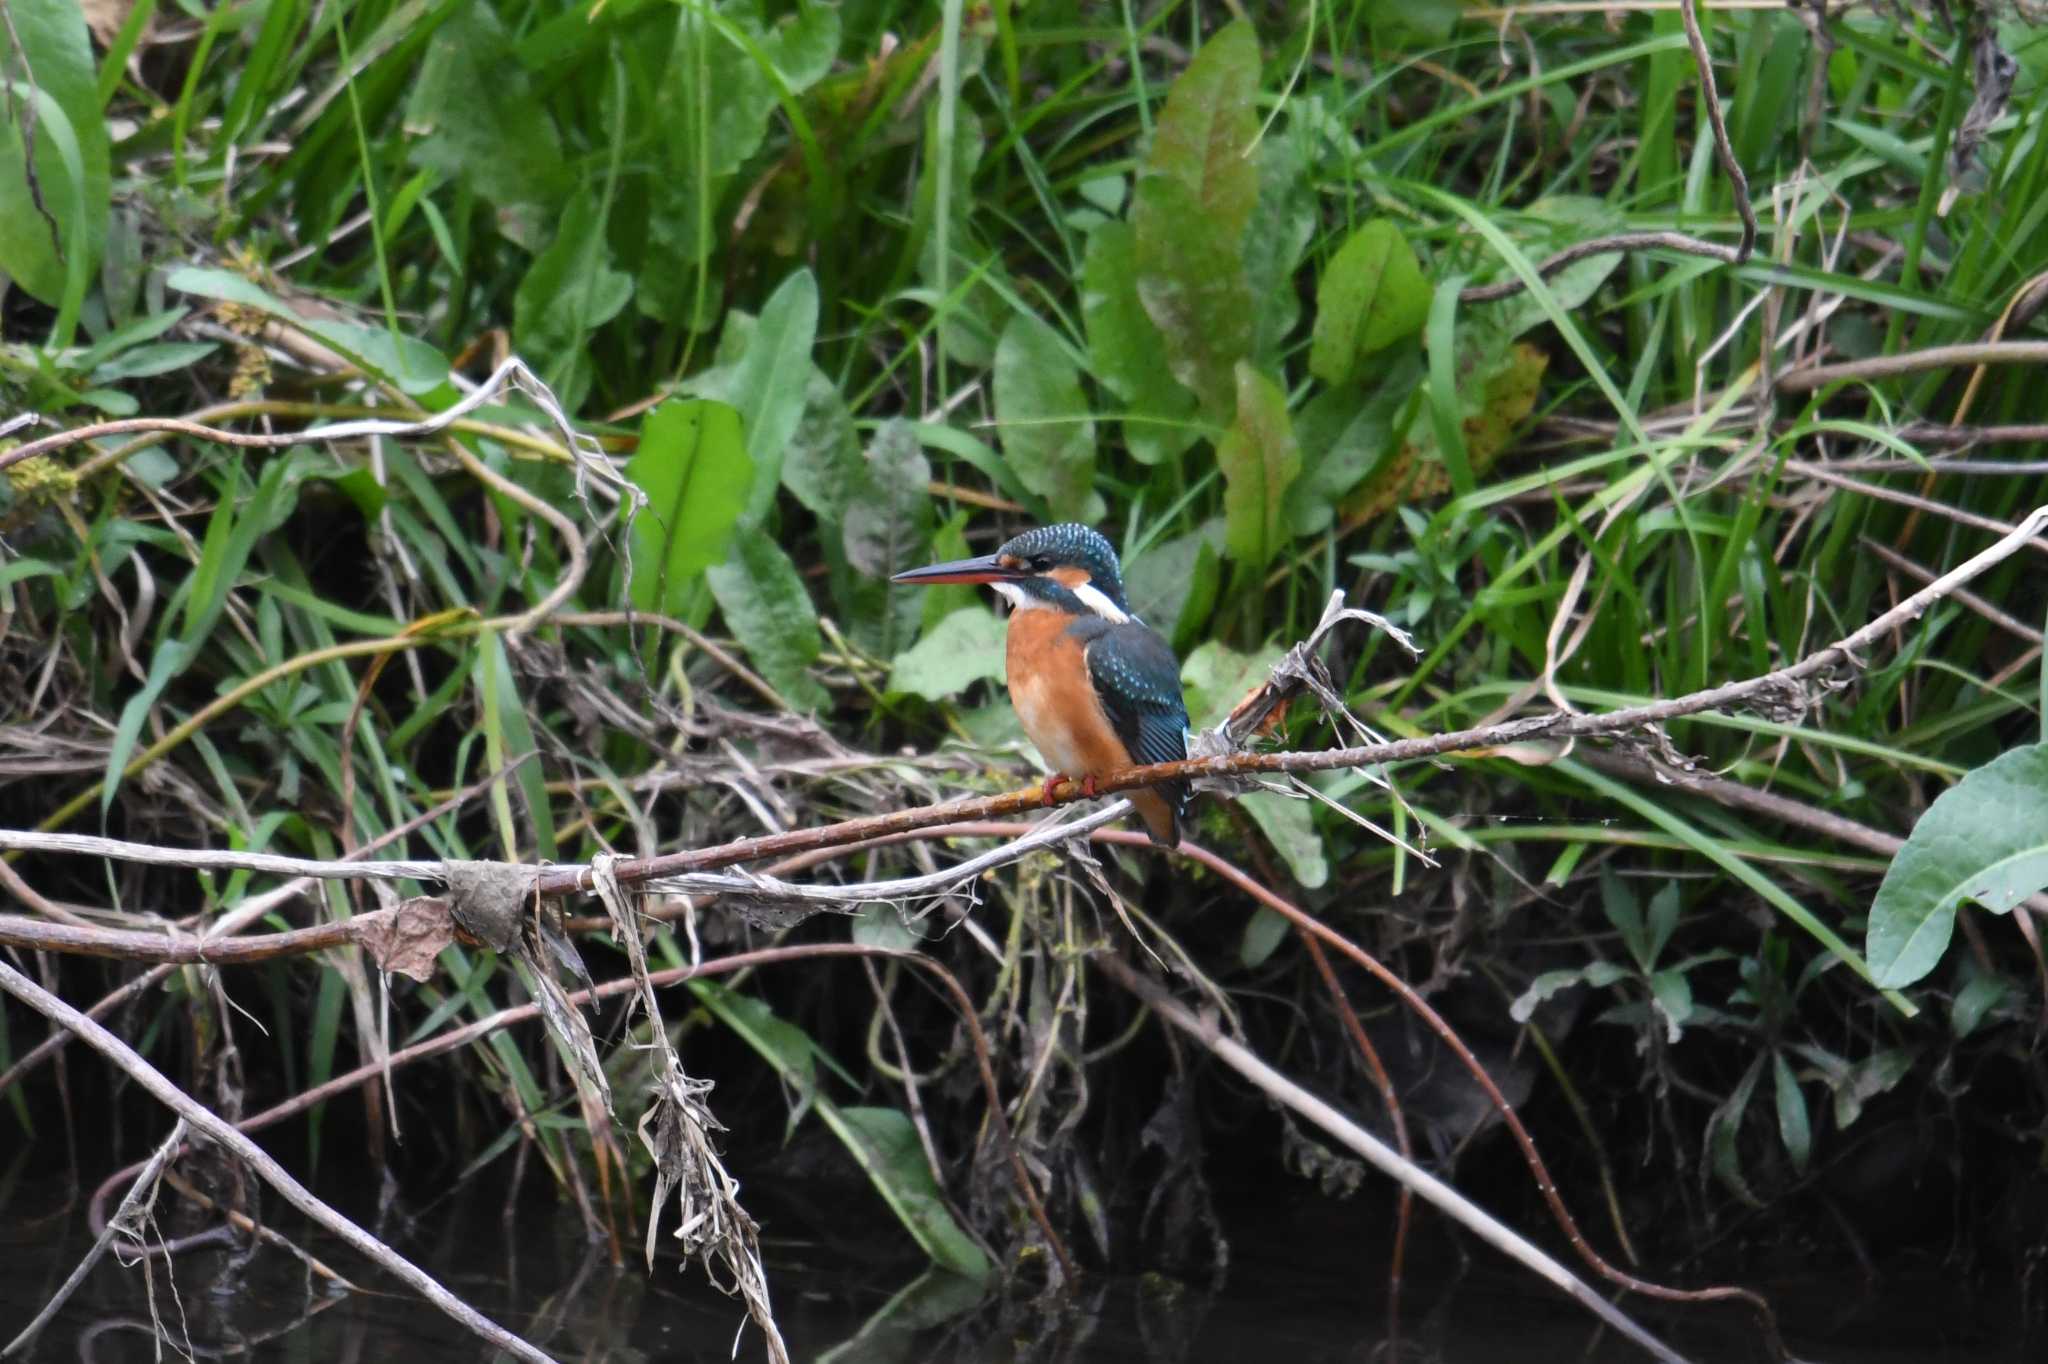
(1066, 567)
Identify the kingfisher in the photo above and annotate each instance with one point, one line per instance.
(1096, 689)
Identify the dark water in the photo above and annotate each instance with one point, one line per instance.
(1305, 1284)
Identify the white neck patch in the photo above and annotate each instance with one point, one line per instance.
(1096, 600)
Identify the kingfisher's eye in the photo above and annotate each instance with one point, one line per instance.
(1042, 564)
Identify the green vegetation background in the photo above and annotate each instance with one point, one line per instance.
(847, 287)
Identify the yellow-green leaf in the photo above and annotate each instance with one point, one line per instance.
(694, 469)
(1371, 295)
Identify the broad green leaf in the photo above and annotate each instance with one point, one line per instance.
(1259, 460)
(1048, 435)
(1558, 221)
(1618, 903)
(886, 1145)
(1974, 1001)
(694, 469)
(145, 362)
(133, 333)
(822, 465)
(1371, 295)
(886, 525)
(1264, 931)
(569, 292)
(1126, 352)
(719, 97)
(1662, 918)
(406, 361)
(52, 258)
(1344, 434)
(1204, 139)
(1284, 219)
(1289, 825)
(1984, 839)
(884, 925)
(767, 609)
(1875, 1074)
(1192, 283)
(1162, 580)
(1795, 1127)
(887, 529)
(1216, 677)
(768, 382)
(964, 648)
(475, 117)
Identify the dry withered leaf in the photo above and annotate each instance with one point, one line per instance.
(408, 940)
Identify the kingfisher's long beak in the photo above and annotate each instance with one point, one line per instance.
(985, 569)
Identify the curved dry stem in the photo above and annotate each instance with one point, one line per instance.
(1724, 150)
(1914, 362)
(1600, 246)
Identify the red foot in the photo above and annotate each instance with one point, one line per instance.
(1087, 786)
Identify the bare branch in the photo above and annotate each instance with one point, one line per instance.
(1785, 686)
(1723, 149)
(1389, 1161)
(295, 1193)
(122, 1223)
(1915, 361)
(1600, 246)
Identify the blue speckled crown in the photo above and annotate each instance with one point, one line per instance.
(1080, 546)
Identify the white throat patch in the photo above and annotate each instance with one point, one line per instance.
(1096, 600)
(1016, 596)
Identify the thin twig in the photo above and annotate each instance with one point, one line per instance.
(1453, 1204)
(141, 1192)
(1780, 686)
(129, 944)
(2003, 620)
(1722, 147)
(248, 912)
(1824, 473)
(293, 1192)
(1600, 246)
(1919, 433)
(1914, 361)
(984, 1056)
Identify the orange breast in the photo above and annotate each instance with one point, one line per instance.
(1055, 698)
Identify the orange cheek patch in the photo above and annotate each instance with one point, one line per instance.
(1070, 578)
